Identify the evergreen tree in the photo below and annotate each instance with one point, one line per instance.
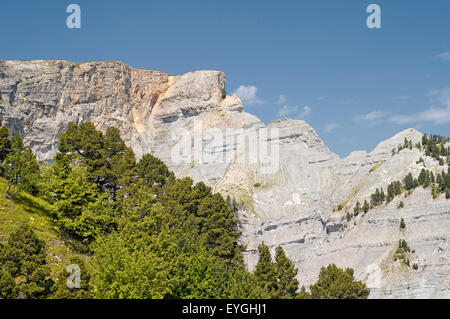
(20, 168)
(357, 209)
(5, 143)
(409, 182)
(265, 272)
(336, 283)
(402, 224)
(80, 208)
(216, 223)
(23, 261)
(286, 272)
(365, 206)
(85, 291)
(86, 144)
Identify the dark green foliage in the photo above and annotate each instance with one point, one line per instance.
(357, 209)
(216, 223)
(434, 147)
(84, 292)
(106, 157)
(8, 288)
(24, 269)
(402, 224)
(424, 178)
(86, 144)
(275, 279)
(409, 182)
(5, 143)
(287, 284)
(348, 216)
(336, 283)
(20, 168)
(377, 198)
(365, 207)
(265, 271)
(80, 208)
(394, 189)
(162, 256)
(401, 253)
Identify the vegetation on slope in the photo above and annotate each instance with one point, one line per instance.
(130, 227)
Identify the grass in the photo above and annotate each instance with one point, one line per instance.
(33, 211)
(377, 165)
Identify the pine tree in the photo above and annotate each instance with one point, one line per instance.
(85, 291)
(216, 223)
(336, 283)
(20, 168)
(365, 206)
(402, 224)
(286, 272)
(265, 271)
(80, 208)
(409, 182)
(357, 209)
(5, 143)
(24, 261)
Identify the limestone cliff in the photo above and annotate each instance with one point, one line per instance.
(288, 181)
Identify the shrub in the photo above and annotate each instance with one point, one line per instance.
(349, 216)
(402, 224)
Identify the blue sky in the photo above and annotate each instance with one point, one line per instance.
(315, 60)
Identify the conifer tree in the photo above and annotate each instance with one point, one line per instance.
(365, 206)
(286, 272)
(265, 271)
(23, 260)
(336, 283)
(402, 224)
(20, 168)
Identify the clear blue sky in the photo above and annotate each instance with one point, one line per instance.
(356, 86)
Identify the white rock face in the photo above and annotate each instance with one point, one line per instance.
(287, 179)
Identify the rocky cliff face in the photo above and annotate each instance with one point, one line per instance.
(288, 181)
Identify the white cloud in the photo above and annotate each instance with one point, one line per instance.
(320, 98)
(402, 97)
(439, 114)
(331, 127)
(306, 111)
(294, 109)
(281, 99)
(248, 95)
(372, 116)
(287, 110)
(444, 56)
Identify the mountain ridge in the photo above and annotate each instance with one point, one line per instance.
(293, 203)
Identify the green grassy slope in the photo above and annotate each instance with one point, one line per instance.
(27, 209)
